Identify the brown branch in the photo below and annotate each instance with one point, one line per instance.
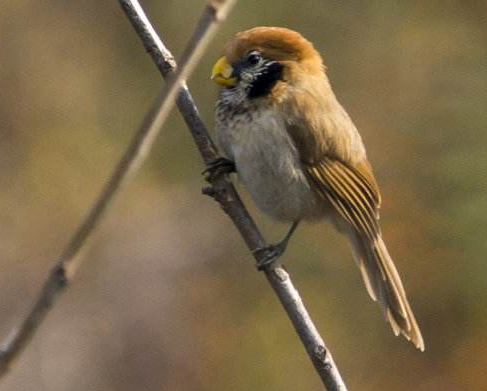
(224, 192)
(137, 152)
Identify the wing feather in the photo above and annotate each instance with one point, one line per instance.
(353, 196)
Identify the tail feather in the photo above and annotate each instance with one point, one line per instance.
(384, 285)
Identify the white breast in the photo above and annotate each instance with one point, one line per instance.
(267, 163)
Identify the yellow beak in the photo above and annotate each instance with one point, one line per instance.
(222, 73)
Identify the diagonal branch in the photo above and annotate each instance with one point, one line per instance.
(224, 192)
(137, 152)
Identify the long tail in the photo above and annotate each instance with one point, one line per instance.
(384, 285)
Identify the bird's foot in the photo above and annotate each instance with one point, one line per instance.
(272, 252)
(217, 168)
(267, 255)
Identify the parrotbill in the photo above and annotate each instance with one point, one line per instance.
(300, 156)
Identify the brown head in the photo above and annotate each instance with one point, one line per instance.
(261, 58)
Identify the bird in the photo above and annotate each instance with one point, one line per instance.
(300, 157)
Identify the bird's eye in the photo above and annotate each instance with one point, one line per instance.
(253, 58)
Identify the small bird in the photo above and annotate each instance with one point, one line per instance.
(300, 156)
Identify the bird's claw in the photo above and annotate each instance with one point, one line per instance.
(270, 254)
(218, 167)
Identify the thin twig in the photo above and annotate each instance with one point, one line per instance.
(136, 154)
(224, 192)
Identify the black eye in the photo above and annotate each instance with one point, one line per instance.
(253, 58)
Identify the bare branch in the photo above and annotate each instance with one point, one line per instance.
(224, 192)
(137, 152)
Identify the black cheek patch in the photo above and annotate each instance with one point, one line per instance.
(264, 82)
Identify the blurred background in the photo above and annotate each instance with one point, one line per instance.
(168, 298)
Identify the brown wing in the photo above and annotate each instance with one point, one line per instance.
(354, 194)
(352, 191)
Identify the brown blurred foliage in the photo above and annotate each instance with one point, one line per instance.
(168, 298)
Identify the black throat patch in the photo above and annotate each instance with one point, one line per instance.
(265, 81)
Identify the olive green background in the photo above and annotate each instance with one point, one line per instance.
(168, 297)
